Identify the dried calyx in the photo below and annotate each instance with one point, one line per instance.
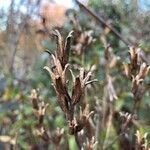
(59, 78)
(40, 112)
(136, 71)
(82, 38)
(89, 144)
(141, 141)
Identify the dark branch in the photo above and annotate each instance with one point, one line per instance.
(102, 22)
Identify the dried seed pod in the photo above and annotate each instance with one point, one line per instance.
(137, 82)
(144, 69)
(41, 112)
(43, 134)
(89, 144)
(63, 49)
(137, 73)
(110, 89)
(79, 84)
(34, 98)
(83, 118)
(127, 68)
(126, 119)
(110, 58)
(57, 136)
(77, 91)
(141, 141)
(82, 38)
(134, 57)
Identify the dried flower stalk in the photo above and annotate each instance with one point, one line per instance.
(59, 78)
(40, 111)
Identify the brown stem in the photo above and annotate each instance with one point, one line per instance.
(136, 107)
(77, 141)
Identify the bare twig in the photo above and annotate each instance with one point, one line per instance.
(101, 21)
(115, 140)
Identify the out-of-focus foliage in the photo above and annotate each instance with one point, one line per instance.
(24, 37)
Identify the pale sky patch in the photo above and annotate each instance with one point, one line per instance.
(66, 3)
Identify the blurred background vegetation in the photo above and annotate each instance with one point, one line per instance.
(25, 33)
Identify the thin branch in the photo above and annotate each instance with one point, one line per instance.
(101, 21)
(113, 142)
